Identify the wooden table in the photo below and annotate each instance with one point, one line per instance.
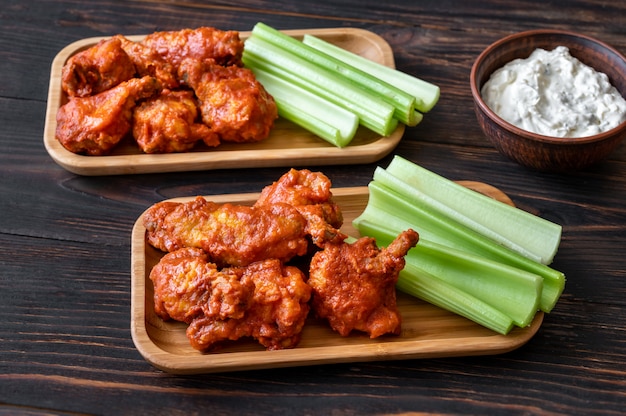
(65, 339)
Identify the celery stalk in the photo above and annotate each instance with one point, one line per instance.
(415, 118)
(426, 94)
(406, 191)
(514, 292)
(530, 235)
(423, 285)
(373, 113)
(388, 210)
(319, 116)
(403, 103)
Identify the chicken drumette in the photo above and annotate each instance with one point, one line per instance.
(264, 300)
(187, 285)
(94, 125)
(354, 284)
(148, 62)
(96, 69)
(275, 315)
(223, 47)
(161, 53)
(231, 234)
(232, 102)
(169, 123)
(310, 192)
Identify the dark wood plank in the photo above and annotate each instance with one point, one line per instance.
(65, 263)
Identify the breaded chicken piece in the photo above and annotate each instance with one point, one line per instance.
(169, 123)
(96, 69)
(264, 300)
(231, 234)
(148, 62)
(274, 316)
(354, 284)
(188, 285)
(94, 125)
(298, 187)
(201, 44)
(310, 192)
(232, 102)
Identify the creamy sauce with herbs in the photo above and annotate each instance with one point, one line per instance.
(554, 94)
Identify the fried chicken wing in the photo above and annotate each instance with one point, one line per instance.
(310, 192)
(202, 44)
(232, 234)
(264, 300)
(232, 102)
(298, 187)
(274, 316)
(148, 62)
(354, 284)
(168, 123)
(187, 285)
(97, 69)
(94, 125)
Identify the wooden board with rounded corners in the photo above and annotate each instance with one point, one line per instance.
(427, 331)
(287, 145)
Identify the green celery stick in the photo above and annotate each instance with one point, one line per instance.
(423, 285)
(530, 235)
(403, 103)
(387, 209)
(426, 94)
(319, 116)
(373, 113)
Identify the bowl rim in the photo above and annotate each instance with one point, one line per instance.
(553, 140)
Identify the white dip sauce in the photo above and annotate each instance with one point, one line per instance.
(554, 94)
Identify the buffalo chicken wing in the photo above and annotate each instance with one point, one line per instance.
(187, 285)
(231, 234)
(224, 47)
(94, 125)
(264, 300)
(148, 62)
(232, 102)
(96, 69)
(275, 315)
(168, 123)
(309, 192)
(354, 284)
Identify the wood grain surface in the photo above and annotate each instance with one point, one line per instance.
(65, 268)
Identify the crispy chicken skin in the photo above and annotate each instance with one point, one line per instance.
(264, 300)
(97, 69)
(232, 102)
(187, 285)
(94, 125)
(354, 284)
(274, 316)
(202, 44)
(148, 62)
(310, 193)
(168, 123)
(231, 234)
(298, 187)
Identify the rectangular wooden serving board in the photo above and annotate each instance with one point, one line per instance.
(287, 145)
(427, 330)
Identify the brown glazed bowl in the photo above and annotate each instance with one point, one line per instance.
(537, 151)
